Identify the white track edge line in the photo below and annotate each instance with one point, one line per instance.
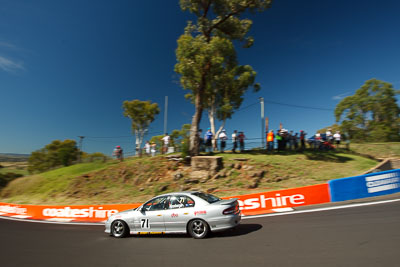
(321, 209)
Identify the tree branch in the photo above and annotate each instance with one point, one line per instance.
(206, 7)
(222, 21)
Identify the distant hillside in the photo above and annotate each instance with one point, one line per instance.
(12, 157)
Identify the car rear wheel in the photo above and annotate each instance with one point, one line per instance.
(198, 228)
(119, 229)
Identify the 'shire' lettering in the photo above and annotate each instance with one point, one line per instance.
(274, 202)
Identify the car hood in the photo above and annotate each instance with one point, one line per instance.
(125, 211)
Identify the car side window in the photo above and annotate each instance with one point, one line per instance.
(179, 202)
(155, 204)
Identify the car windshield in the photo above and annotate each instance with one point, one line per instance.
(157, 203)
(207, 197)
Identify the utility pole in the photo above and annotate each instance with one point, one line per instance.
(80, 148)
(165, 114)
(262, 122)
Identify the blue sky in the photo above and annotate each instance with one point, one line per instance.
(67, 66)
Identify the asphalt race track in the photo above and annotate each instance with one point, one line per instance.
(359, 236)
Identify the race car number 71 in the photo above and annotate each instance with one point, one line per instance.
(144, 223)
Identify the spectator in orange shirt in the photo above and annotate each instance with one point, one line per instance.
(270, 140)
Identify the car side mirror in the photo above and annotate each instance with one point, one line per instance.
(142, 209)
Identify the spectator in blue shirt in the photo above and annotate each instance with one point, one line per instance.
(208, 140)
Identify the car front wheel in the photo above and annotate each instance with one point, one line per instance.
(119, 229)
(198, 228)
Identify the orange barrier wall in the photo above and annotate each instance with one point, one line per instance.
(92, 213)
(252, 204)
(275, 201)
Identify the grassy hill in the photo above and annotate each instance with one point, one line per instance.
(137, 179)
(377, 150)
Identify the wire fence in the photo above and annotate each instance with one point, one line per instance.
(250, 143)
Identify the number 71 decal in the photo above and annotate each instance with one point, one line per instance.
(144, 223)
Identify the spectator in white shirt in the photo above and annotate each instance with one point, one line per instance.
(337, 138)
(165, 140)
(223, 137)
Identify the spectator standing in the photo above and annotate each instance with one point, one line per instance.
(208, 139)
(147, 148)
(291, 141)
(318, 141)
(285, 138)
(337, 138)
(223, 137)
(270, 140)
(118, 153)
(234, 140)
(165, 141)
(241, 138)
(279, 139)
(153, 149)
(296, 141)
(329, 136)
(303, 139)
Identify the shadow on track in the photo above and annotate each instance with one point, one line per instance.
(241, 229)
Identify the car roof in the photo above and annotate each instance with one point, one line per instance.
(179, 193)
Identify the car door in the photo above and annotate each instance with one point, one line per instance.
(151, 216)
(178, 213)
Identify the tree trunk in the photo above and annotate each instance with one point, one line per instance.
(139, 140)
(211, 118)
(198, 103)
(194, 129)
(220, 129)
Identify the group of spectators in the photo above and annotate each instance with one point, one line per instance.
(281, 140)
(151, 148)
(326, 141)
(287, 140)
(208, 143)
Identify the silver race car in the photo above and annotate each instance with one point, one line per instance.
(195, 213)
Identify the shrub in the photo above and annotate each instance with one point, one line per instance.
(8, 177)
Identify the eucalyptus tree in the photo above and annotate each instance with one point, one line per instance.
(228, 95)
(56, 154)
(371, 114)
(141, 113)
(206, 56)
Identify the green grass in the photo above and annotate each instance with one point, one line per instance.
(43, 187)
(290, 170)
(137, 179)
(378, 150)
